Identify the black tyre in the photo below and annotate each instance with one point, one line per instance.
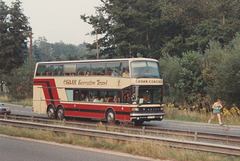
(51, 113)
(110, 117)
(60, 113)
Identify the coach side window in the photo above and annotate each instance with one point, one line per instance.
(113, 96)
(97, 96)
(83, 69)
(57, 70)
(69, 69)
(98, 69)
(125, 69)
(69, 93)
(43, 70)
(76, 95)
(113, 69)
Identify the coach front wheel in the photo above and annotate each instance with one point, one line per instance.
(110, 117)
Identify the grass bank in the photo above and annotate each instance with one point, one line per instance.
(142, 149)
(25, 102)
(229, 116)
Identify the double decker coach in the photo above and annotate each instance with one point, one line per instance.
(109, 89)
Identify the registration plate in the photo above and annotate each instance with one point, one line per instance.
(151, 117)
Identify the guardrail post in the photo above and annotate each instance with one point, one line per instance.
(32, 118)
(5, 116)
(226, 132)
(195, 136)
(64, 121)
(143, 130)
(106, 127)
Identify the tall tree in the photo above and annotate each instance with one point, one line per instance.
(128, 27)
(13, 37)
(222, 71)
(42, 50)
(4, 35)
(14, 32)
(221, 23)
(151, 27)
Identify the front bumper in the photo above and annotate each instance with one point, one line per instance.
(146, 116)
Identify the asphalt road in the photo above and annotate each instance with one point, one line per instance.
(20, 149)
(195, 127)
(166, 124)
(22, 110)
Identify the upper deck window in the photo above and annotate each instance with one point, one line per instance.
(98, 69)
(113, 69)
(43, 70)
(83, 69)
(57, 70)
(69, 69)
(145, 69)
(125, 69)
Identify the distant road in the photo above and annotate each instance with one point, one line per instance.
(22, 110)
(19, 149)
(166, 124)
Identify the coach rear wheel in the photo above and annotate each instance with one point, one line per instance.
(51, 112)
(60, 113)
(110, 117)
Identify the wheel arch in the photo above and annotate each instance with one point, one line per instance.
(60, 106)
(110, 108)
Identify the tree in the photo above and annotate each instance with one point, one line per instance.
(170, 67)
(191, 82)
(45, 51)
(17, 33)
(19, 81)
(184, 77)
(42, 50)
(222, 25)
(151, 28)
(3, 35)
(128, 28)
(222, 71)
(13, 38)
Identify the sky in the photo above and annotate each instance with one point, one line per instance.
(59, 20)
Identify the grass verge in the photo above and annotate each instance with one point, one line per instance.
(25, 102)
(196, 116)
(142, 149)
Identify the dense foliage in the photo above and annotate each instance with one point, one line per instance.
(197, 78)
(196, 42)
(20, 81)
(14, 33)
(151, 27)
(13, 37)
(45, 51)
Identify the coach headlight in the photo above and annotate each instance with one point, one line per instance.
(135, 109)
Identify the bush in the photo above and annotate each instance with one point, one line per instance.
(222, 71)
(197, 78)
(20, 82)
(184, 75)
